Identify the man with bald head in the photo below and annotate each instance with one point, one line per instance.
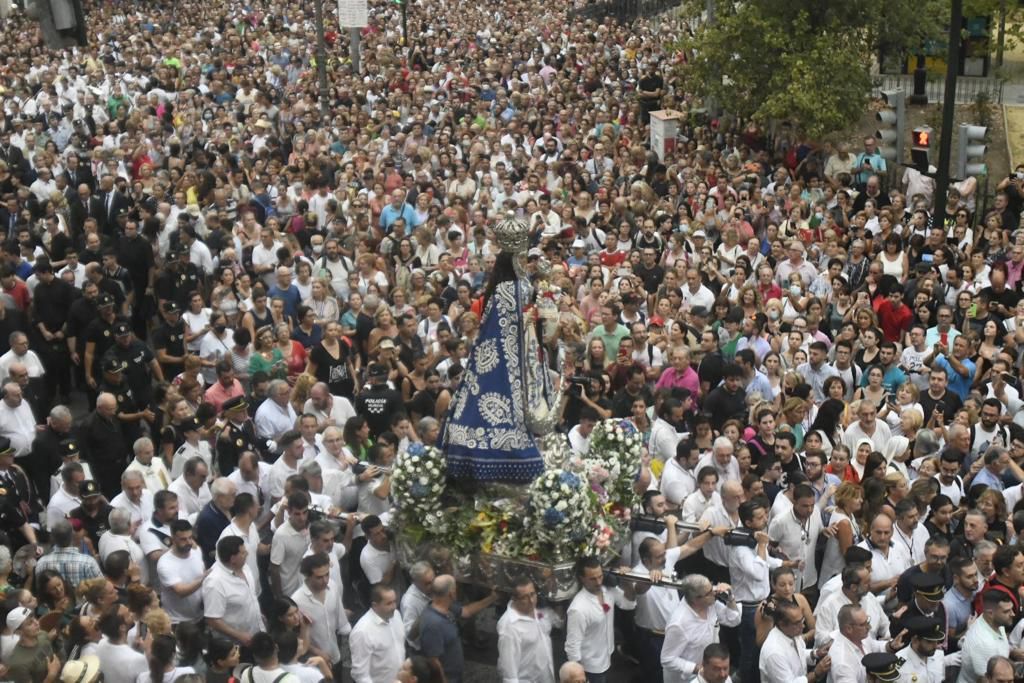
(102, 442)
(722, 513)
(17, 422)
(572, 672)
(336, 465)
(329, 410)
(439, 635)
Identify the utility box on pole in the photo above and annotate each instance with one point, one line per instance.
(664, 131)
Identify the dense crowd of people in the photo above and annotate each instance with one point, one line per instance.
(225, 315)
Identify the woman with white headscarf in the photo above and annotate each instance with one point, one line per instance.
(897, 453)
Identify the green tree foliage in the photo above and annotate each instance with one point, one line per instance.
(804, 61)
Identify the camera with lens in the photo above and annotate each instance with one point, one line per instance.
(577, 384)
(724, 597)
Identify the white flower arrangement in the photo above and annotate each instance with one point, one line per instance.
(560, 518)
(417, 486)
(613, 461)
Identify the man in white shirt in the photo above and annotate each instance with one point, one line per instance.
(155, 532)
(664, 437)
(16, 420)
(923, 659)
(329, 410)
(20, 353)
(286, 465)
(524, 638)
(340, 481)
(579, 435)
(415, 600)
(706, 495)
(289, 545)
(851, 643)
(134, 498)
(377, 640)
(378, 558)
(67, 497)
(888, 560)
(320, 602)
(264, 257)
(868, 426)
(244, 512)
(678, 478)
(724, 461)
(722, 513)
(655, 604)
(230, 593)
(695, 293)
(856, 591)
(154, 472)
(191, 488)
(796, 533)
(590, 632)
(694, 626)
(252, 476)
(119, 662)
(784, 655)
(181, 572)
(750, 569)
(118, 537)
(986, 637)
(275, 416)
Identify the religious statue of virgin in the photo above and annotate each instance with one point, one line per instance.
(505, 400)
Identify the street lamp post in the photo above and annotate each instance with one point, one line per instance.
(321, 59)
(949, 104)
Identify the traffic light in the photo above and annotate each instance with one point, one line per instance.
(921, 147)
(891, 123)
(970, 159)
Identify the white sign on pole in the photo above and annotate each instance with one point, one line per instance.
(352, 13)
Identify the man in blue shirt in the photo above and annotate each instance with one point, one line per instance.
(398, 208)
(869, 162)
(439, 632)
(959, 368)
(286, 291)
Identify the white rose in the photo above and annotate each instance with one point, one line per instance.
(561, 505)
(565, 488)
(424, 480)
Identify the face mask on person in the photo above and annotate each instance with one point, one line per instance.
(773, 315)
(318, 248)
(220, 329)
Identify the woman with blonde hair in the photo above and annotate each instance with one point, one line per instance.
(849, 499)
(300, 391)
(794, 411)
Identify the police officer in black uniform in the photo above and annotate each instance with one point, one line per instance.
(93, 513)
(378, 403)
(179, 279)
(140, 366)
(929, 589)
(169, 341)
(99, 337)
(238, 435)
(15, 500)
(129, 411)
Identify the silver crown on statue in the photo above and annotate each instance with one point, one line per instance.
(512, 234)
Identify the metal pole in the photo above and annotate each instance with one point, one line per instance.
(948, 106)
(920, 80)
(353, 48)
(321, 59)
(405, 25)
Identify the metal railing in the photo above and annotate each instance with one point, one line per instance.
(967, 87)
(623, 11)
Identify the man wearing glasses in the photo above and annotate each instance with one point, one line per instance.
(852, 642)
(524, 637)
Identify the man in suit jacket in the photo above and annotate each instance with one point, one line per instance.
(9, 215)
(78, 173)
(85, 206)
(113, 202)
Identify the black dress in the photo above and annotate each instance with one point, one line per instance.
(334, 371)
